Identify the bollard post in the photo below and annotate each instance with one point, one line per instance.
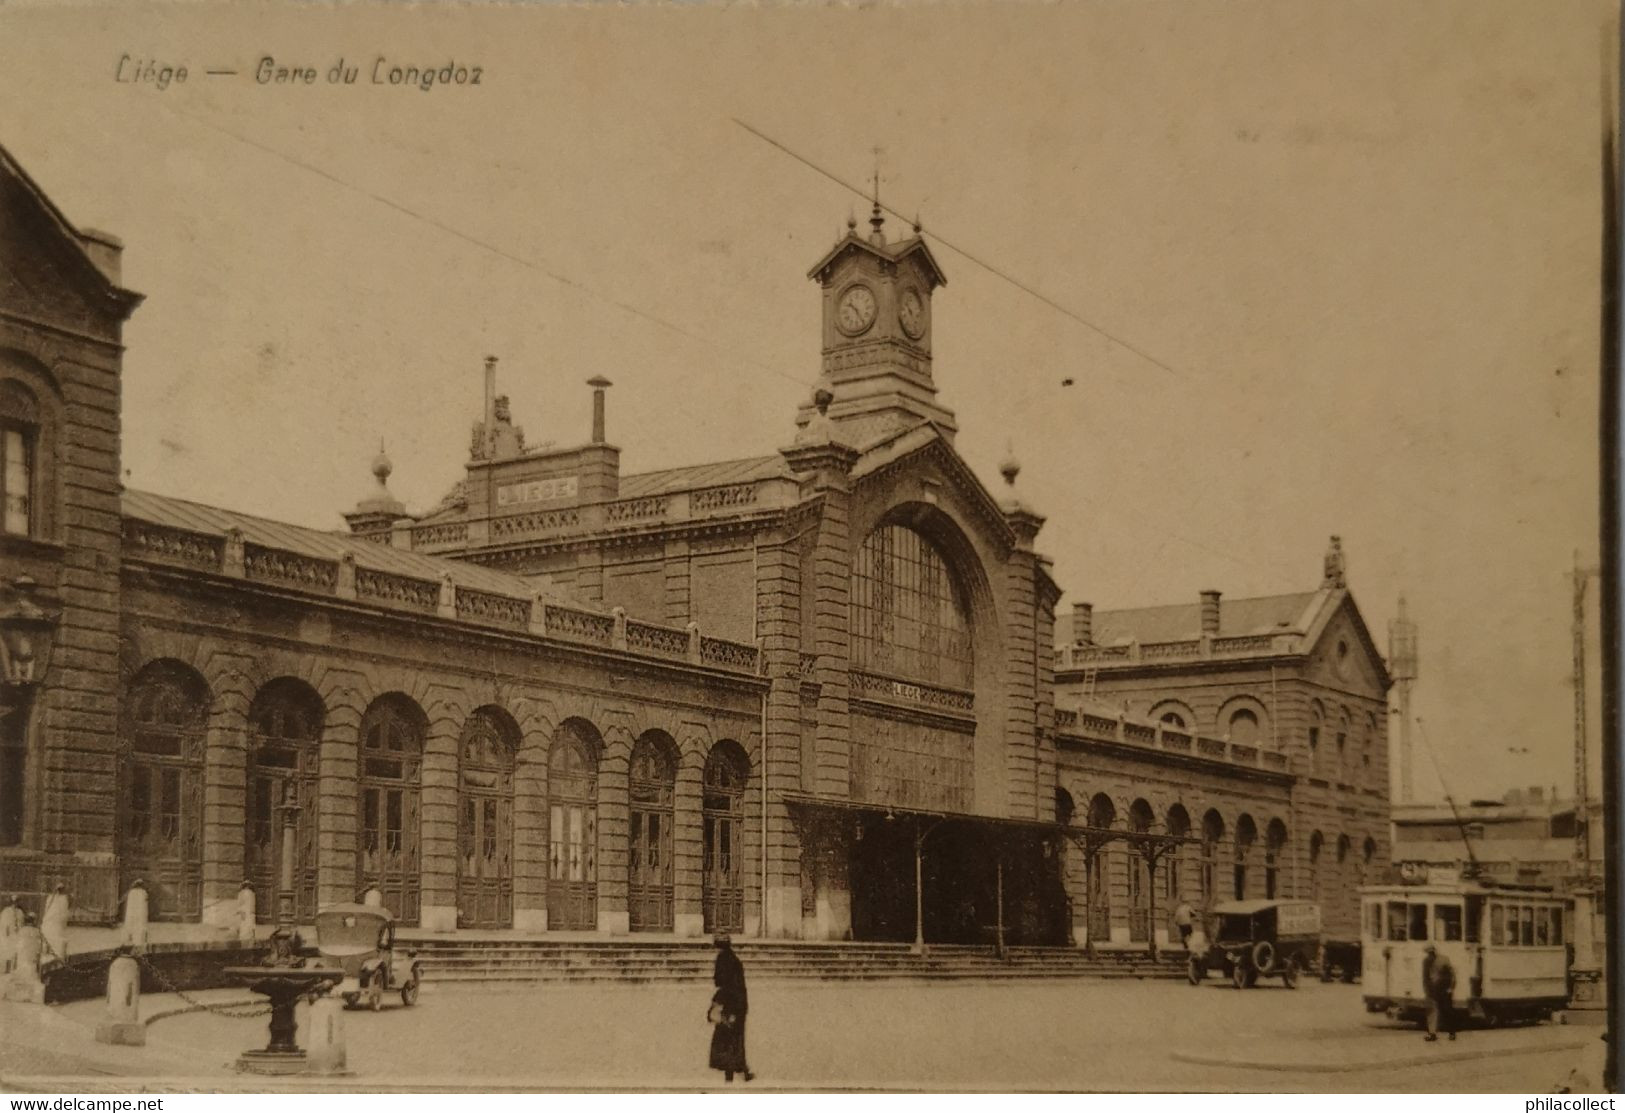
(11, 922)
(23, 983)
(54, 925)
(122, 1024)
(135, 916)
(324, 1042)
(246, 916)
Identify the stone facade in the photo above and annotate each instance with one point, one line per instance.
(806, 694)
(1292, 680)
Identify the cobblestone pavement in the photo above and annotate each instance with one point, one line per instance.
(1078, 1034)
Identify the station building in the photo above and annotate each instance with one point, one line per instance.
(805, 694)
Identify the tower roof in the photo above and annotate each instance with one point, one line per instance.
(890, 252)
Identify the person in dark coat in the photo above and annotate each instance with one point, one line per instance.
(1439, 984)
(728, 1008)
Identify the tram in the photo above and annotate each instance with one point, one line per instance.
(1508, 944)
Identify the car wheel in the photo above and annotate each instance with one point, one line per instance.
(1289, 974)
(1195, 971)
(409, 993)
(1239, 976)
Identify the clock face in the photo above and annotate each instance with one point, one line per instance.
(856, 311)
(911, 313)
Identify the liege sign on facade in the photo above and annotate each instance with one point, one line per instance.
(537, 490)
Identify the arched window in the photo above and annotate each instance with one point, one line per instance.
(1179, 825)
(1274, 842)
(1317, 844)
(20, 485)
(910, 618)
(1246, 836)
(723, 842)
(572, 799)
(1173, 719)
(1317, 722)
(1243, 726)
(1368, 855)
(284, 736)
(1064, 807)
(1139, 888)
(1102, 814)
(486, 755)
(653, 790)
(1343, 722)
(390, 772)
(161, 797)
(1212, 836)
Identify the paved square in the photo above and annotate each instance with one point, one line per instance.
(1075, 1034)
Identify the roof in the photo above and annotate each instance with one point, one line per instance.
(87, 266)
(720, 474)
(891, 252)
(177, 513)
(1183, 621)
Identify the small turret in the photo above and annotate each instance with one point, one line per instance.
(379, 508)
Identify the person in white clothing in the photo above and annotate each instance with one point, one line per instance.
(53, 925)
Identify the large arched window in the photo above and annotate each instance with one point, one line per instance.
(486, 756)
(723, 845)
(390, 773)
(572, 799)
(161, 788)
(652, 813)
(284, 738)
(909, 615)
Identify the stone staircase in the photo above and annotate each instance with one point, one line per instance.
(454, 959)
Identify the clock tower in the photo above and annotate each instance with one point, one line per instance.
(877, 333)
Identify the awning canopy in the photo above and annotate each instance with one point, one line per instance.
(1078, 832)
(836, 803)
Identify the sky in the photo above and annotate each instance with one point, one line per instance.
(1312, 268)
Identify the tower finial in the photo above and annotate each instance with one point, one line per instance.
(876, 219)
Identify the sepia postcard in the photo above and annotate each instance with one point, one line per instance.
(884, 547)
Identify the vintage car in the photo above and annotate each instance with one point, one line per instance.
(360, 938)
(1253, 938)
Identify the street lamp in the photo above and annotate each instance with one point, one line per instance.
(27, 630)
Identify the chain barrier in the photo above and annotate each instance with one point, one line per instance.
(239, 1012)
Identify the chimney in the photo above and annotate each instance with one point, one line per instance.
(1210, 613)
(1083, 624)
(599, 384)
(105, 250)
(490, 405)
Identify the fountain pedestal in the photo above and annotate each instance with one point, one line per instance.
(285, 987)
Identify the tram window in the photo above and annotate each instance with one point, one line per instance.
(1526, 925)
(1543, 927)
(1396, 921)
(1498, 936)
(1475, 913)
(1419, 921)
(1373, 919)
(1447, 923)
(1557, 927)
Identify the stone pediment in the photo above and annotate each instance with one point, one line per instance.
(1343, 654)
(925, 453)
